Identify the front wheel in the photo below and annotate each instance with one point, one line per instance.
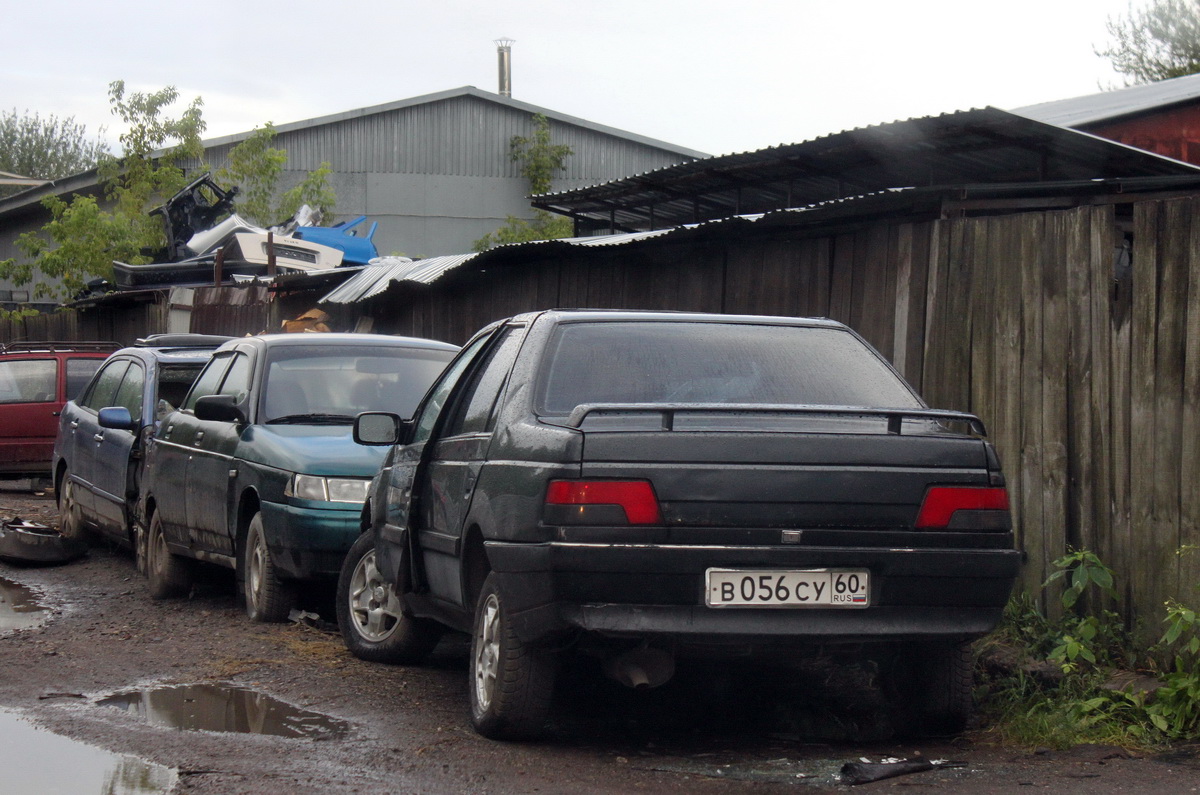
(268, 598)
(511, 681)
(371, 615)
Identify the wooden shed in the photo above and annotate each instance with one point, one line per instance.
(1064, 311)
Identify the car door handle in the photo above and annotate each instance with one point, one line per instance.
(98, 438)
(74, 424)
(199, 439)
(469, 483)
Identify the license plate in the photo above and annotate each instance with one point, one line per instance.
(775, 588)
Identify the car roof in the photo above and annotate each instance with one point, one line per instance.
(338, 338)
(659, 315)
(89, 349)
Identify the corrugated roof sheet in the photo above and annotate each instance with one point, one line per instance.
(1111, 105)
(376, 278)
(988, 145)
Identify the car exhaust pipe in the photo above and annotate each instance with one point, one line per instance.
(641, 668)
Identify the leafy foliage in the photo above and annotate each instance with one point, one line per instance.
(540, 161)
(81, 240)
(44, 148)
(1157, 42)
(255, 167)
(1087, 645)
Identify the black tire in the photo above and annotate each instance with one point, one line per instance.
(268, 598)
(169, 574)
(511, 683)
(931, 688)
(371, 615)
(70, 522)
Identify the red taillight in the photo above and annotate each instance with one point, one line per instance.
(636, 497)
(942, 501)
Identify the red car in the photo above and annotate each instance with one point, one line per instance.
(36, 379)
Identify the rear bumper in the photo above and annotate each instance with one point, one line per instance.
(657, 592)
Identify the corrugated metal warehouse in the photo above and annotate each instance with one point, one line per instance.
(435, 171)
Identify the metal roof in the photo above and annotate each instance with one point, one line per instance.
(1107, 106)
(29, 201)
(464, 91)
(931, 202)
(980, 146)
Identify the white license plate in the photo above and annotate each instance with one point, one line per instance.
(775, 588)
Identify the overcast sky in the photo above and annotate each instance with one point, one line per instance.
(714, 75)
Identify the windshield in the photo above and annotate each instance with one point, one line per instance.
(333, 383)
(678, 362)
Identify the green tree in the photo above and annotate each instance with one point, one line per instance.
(81, 240)
(1157, 42)
(255, 166)
(44, 148)
(540, 160)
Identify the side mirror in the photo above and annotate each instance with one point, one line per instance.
(379, 428)
(221, 408)
(118, 417)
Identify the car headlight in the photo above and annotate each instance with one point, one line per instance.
(312, 487)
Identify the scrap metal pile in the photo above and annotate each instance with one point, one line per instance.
(204, 250)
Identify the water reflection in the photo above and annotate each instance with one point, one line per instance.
(19, 607)
(226, 708)
(36, 760)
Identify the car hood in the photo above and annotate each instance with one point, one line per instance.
(310, 449)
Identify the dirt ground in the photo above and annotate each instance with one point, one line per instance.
(707, 731)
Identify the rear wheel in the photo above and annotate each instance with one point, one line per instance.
(371, 615)
(511, 681)
(931, 688)
(70, 518)
(268, 598)
(169, 574)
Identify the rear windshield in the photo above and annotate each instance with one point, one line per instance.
(676, 362)
(339, 381)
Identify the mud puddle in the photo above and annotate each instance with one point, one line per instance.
(36, 760)
(19, 607)
(225, 708)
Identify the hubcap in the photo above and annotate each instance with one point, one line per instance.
(374, 607)
(487, 652)
(256, 569)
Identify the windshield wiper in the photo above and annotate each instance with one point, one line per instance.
(312, 419)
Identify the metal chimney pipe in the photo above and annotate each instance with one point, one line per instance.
(504, 50)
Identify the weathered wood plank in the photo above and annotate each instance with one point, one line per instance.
(1029, 478)
(921, 236)
(1123, 542)
(1189, 467)
(1139, 571)
(842, 279)
(1080, 463)
(904, 299)
(1101, 237)
(1006, 427)
(1174, 237)
(1055, 343)
(934, 354)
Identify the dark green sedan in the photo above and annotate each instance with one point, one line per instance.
(257, 471)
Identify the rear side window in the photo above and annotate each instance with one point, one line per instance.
(133, 387)
(79, 372)
(679, 362)
(103, 392)
(208, 381)
(28, 381)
